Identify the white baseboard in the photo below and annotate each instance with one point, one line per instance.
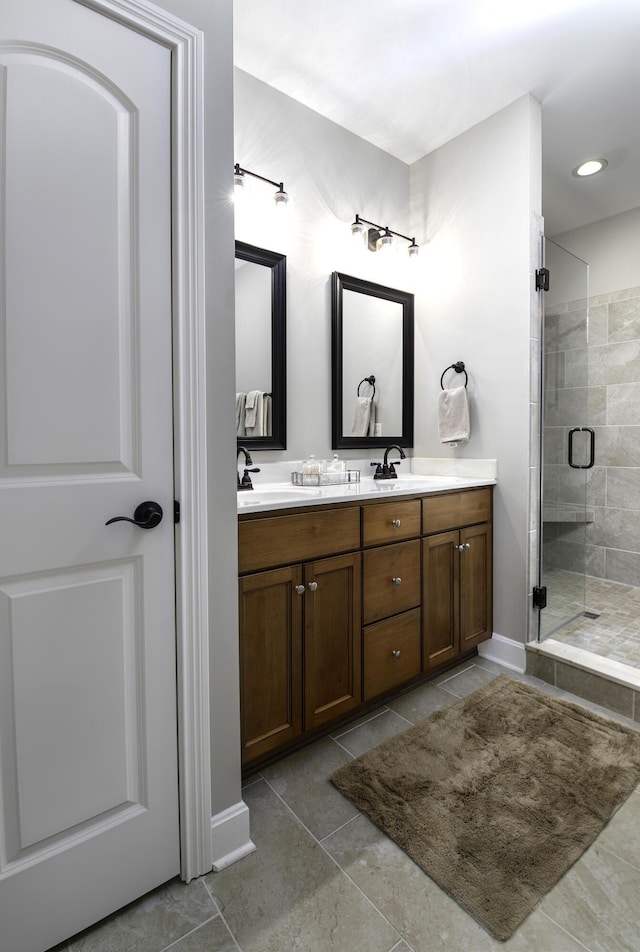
(504, 651)
(230, 837)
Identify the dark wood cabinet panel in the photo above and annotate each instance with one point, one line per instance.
(456, 593)
(284, 540)
(332, 652)
(453, 510)
(391, 653)
(440, 598)
(270, 660)
(391, 580)
(390, 521)
(476, 566)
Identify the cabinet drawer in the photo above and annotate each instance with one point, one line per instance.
(391, 653)
(283, 540)
(451, 510)
(390, 522)
(382, 595)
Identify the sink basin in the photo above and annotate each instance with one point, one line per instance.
(418, 483)
(271, 494)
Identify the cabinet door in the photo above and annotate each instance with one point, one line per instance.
(332, 638)
(270, 660)
(476, 621)
(440, 598)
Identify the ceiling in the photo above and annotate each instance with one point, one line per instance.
(410, 75)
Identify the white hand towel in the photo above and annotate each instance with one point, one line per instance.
(251, 408)
(240, 403)
(361, 417)
(453, 416)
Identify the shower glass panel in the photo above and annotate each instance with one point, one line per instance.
(566, 450)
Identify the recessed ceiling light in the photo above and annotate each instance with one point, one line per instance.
(590, 167)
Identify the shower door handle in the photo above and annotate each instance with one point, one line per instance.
(592, 446)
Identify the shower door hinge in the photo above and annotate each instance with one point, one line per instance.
(176, 511)
(542, 279)
(540, 596)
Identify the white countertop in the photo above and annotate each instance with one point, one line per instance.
(281, 495)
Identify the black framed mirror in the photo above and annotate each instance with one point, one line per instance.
(371, 364)
(261, 347)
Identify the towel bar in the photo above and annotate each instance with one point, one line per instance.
(458, 366)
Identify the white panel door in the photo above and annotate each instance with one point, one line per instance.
(88, 758)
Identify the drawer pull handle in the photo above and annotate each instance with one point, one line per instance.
(397, 580)
(396, 523)
(299, 589)
(312, 586)
(396, 653)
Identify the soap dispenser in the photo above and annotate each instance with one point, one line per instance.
(336, 466)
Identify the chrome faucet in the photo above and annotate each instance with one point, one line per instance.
(245, 482)
(387, 470)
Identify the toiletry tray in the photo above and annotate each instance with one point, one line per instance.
(325, 479)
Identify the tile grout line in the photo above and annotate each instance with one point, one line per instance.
(338, 828)
(336, 863)
(340, 746)
(190, 932)
(562, 929)
(397, 946)
(620, 859)
(348, 730)
(221, 914)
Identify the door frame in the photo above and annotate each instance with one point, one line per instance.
(189, 414)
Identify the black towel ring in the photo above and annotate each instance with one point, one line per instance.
(459, 369)
(371, 380)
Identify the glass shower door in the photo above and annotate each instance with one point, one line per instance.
(567, 442)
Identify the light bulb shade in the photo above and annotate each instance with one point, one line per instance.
(414, 250)
(281, 198)
(238, 181)
(358, 229)
(385, 243)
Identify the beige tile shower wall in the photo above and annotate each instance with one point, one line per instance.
(613, 409)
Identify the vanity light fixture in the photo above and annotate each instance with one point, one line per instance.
(280, 197)
(590, 167)
(380, 237)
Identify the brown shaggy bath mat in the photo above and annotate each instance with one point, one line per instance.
(497, 796)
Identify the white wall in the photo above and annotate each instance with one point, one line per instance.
(472, 198)
(330, 175)
(215, 19)
(611, 248)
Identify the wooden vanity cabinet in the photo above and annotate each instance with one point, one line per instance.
(339, 607)
(300, 626)
(456, 575)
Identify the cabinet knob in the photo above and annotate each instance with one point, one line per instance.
(396, 523)
(312, 586)
(397, 580)
(396, 653)
(463, 546)
(299, 589)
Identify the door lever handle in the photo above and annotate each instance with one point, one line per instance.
(147, 515)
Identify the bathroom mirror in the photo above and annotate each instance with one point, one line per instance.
(260, 287)
(372, 364)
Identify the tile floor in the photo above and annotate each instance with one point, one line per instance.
(615, 634)
(324, 879)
